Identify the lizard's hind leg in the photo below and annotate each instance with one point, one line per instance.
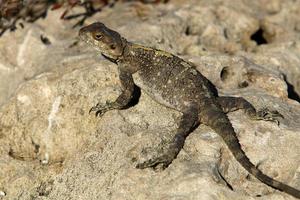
(229, 104)
(167, 152)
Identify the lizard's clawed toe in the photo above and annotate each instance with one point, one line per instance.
(158, 163)
(92, 109)
(100, 109)
(268, 115)
(99, 113)
(159, 158)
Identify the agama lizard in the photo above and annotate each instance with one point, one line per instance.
(175, 83)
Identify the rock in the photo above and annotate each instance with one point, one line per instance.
(51, 148)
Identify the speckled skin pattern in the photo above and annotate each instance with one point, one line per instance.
(176, 84)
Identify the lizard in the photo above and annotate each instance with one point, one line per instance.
(176, 84)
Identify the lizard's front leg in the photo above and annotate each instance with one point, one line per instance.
(229, 104)
(127, 85)
(167, 152)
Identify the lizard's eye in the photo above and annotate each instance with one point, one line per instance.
(98, 36)
(112, 46)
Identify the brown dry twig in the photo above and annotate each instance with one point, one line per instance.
(13, 10)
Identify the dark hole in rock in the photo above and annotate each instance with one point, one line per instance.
(248, 177)
(187, 31)
(224, 73)
(292, 94)
(258, 37)
(45, 40)
(243, 84)
(225, 33)
(36, 148)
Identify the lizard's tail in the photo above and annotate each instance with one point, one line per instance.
(223, 127)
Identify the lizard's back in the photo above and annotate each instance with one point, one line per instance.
(167, 78)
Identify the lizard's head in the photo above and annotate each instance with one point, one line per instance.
(105, 40)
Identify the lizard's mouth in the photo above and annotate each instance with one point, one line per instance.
(114, 60)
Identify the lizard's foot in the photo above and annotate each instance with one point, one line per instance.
(100, 109)
(268, 115)
(159, 158)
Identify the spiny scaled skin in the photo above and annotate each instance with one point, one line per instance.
(175, 83)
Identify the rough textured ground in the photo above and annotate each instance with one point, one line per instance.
(51, 148)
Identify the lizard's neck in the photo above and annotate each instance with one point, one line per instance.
(128, 59)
